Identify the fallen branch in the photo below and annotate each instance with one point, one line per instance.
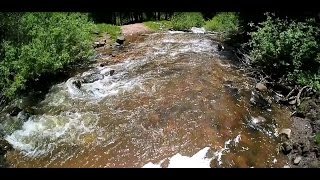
(291, 92)
(299, 94)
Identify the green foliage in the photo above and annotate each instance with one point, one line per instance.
(287, 48)
(112, 30)
(158, 25)
(227, 22)
(317, 138)
(187, 20)
(47, 42)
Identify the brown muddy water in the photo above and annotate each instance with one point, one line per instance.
(173, 101)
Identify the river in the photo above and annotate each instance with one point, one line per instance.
(174, 100)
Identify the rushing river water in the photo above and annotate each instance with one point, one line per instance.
(173, 101)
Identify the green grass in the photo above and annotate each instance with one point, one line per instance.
(112, 30)
(158, 25)
(227, 22)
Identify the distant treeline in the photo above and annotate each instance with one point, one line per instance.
(122, 18)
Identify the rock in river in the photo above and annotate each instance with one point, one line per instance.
(261, 87)
(92, 78)
(120, 40)
(4, 146)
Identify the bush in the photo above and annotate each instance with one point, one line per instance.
(227, 22)
(287, 48)
(187, 20)
(47, 42)
(158, 25)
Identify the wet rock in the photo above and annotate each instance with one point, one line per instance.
(116, 44)
(258, 120)
(120, 40)
(77, 83)
(92, 78)
(286, 148)
(23, 116)
(258, 100)
(15, 111)
(261, 87)
(297, 160)
(285, 132)
(220, 47)
(112, 72)
(4, 146)
(100, 44)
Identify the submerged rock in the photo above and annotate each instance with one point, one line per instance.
(258, 100)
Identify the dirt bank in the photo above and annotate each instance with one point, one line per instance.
(305, 126)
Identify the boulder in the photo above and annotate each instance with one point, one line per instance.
(112, 72)
(77, 83)
(261, 87)
(220, 47)
(15, 111)
(297, 160)
(120, 40)
(4, 146)
(99, 44)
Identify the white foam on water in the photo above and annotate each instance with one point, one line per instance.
(198, 30)
(40, 134)
(176, 32)
(109, 85)
(199, 160)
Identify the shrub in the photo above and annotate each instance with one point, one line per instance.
(287, 48)
(47, 42)
(227, 22)
(187, 20)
